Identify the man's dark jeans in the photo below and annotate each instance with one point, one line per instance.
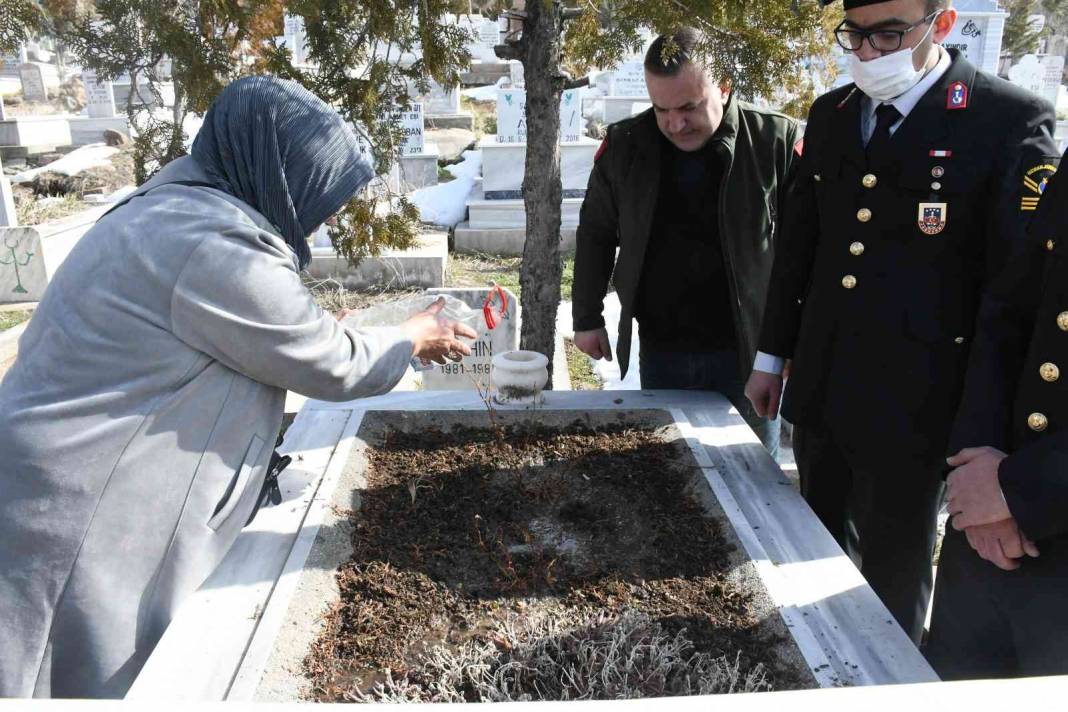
(706, 371)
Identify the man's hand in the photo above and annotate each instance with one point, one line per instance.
(437, 338)
(764, 391)
(342, 313)
(1001, 543)
(594, 343)
(975, 496)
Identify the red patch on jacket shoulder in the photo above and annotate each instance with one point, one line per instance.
(799, 147)
(600, 149)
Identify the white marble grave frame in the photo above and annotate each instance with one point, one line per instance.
(219, 644)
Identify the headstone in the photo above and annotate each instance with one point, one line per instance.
(512, 117)
(411, 125)
(99, 96)
(295, 37)
(439, 101)
(490, 32)
(1039, 74)
(517, 74)
(629, 80)
(978, 32)
(473, 372)
(7, 202)
(33, 85)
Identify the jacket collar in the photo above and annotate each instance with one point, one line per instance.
(726, 135)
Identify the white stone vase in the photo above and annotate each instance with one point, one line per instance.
(519, 376)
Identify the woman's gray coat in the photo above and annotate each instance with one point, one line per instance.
(138, 421)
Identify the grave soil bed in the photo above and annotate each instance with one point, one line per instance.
(507, 556)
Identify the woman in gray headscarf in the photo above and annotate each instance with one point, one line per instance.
(138, 421)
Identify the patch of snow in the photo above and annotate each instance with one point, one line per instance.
(608, 371)
(470, 167)
(95, 155)
(486, 93)
(445, 204)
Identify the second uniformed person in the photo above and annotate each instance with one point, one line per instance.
(1005, 616)
(910, 194)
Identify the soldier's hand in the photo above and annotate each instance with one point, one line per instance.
(764, 391)
(973, 489)
(594, 343)
(1001, 543)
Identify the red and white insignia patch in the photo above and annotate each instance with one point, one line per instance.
(799, 147)
(957, 95)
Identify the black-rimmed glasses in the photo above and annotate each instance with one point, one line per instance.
(880, 40)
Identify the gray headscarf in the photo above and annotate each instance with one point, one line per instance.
(273, 144)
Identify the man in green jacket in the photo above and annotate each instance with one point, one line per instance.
(688, 192)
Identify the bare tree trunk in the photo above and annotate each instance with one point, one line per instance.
(539, 275)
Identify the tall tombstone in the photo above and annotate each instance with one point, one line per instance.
(628, 80)
(294, 28)
(1039, 74)
(512, 116)
(978, 32)
(411, 124)
(99, 96)
(33, 85)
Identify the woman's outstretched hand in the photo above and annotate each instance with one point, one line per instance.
(437, 338)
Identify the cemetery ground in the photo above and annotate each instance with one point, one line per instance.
(541, 559)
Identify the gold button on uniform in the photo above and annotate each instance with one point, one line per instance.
(1062, 321)
(849, 281)
(856, 249)
(1050, 244)
(1049, 372)
(864, 215)
(1037, 422)
(869, 181)
(938, 172)
(936, 186)
(959, 340)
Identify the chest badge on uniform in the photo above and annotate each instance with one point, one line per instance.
(932, 218)
(957, 95)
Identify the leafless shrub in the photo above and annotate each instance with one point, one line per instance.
(605, 658)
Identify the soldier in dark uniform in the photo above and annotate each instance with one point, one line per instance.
(1008, 615)
(908, 199)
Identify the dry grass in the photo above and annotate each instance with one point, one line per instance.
(332, 296)
(478, 270)
(580, 369)
(629, 657)
(9, 319)
(31, 210)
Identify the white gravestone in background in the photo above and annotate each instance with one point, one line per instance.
(33, 85)
(473, 372)
(517, 74)
(629, 81)
(512, 117)
(1041, 75)
(99, 96)
(978, 32)
(411, 126)
(489, 33)
(295, 37)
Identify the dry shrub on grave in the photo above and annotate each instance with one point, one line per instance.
(606, 658)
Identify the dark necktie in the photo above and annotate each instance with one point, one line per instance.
(885, 117)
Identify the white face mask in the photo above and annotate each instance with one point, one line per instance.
(889, 76)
